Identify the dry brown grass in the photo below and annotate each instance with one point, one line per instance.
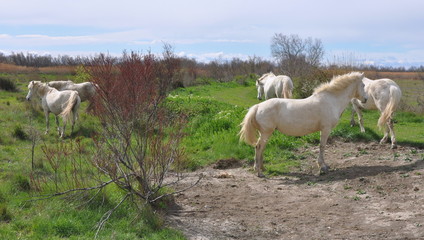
(395, 75)
(12, 68)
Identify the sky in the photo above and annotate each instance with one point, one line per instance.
(376, 32)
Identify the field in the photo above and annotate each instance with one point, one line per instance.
(378, 188)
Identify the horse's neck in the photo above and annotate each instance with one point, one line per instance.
(338, 100)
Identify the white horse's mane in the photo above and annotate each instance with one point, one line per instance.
(338, 83)
(265, 75)
(40, 87)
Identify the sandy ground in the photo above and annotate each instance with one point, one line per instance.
(371, 192)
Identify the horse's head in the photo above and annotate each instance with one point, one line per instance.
(260, 88)
(32, 87)
(30, 90)
(361, 94)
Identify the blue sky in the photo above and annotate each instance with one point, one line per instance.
(377, 32)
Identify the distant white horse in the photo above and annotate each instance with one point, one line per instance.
(385, 96)
(86, 90)
(61, 103)
(272, 86)
(298, 117)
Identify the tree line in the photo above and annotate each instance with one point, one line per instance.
(291, 55)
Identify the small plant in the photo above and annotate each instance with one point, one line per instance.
(361, 192)
(404, 175)
(363, 152)
(311, 183)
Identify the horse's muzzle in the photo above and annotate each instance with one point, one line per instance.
(365, 100)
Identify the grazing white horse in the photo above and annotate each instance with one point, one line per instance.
(61, 103)
(272, 86)
(86, 90)
(297, 117)
(385, 96)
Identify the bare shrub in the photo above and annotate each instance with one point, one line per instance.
(138, 143)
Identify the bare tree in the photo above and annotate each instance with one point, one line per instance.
(300, 59)
(297, 57)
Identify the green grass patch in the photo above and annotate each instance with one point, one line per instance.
(216, 111)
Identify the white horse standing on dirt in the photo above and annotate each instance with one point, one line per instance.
(86, 90)
(384, 95)
(297, 117)
(63, 103)
(272, 86)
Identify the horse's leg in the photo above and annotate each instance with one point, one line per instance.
(74, 118)
(259, 150)
(352, 116)
(278, 94)
(386, 134)
(356, 107)
(46, 114)
(324, 136)
(57, 124)
(392, 133)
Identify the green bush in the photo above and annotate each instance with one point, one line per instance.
(21, 183)
(5, 215)
(18, 132)
(65, 228)
(8, 85)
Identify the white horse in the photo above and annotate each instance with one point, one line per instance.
(385, 96)
(298, 117)
(86, 90)
(61, 103)
(274, 86)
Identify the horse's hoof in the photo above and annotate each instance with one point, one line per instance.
(261, 175)
(394, 146)
(324, 170)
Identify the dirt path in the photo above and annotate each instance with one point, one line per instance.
(372, 192)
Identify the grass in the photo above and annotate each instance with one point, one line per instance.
(216, 111)
(411, 90)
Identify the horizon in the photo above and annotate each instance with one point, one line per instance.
(377, 33)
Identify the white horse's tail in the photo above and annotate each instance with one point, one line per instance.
(249, 127)
(287, 88)
(66, 113)
(395, 95)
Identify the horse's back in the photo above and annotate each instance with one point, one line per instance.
(382, 92)
(294, 117)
